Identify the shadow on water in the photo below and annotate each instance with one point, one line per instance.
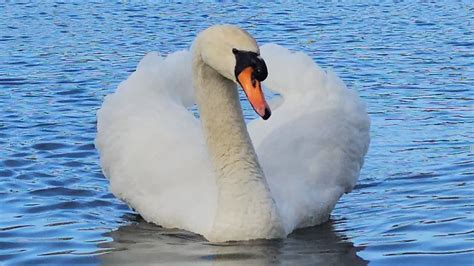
(144, 243)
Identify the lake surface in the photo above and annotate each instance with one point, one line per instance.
(412, 63)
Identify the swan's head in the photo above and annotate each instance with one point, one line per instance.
(233, 53)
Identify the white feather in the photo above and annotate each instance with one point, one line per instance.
(153, 151)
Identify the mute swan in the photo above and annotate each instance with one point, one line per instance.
(204, 175)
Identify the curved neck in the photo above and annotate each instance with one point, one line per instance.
(223, 124)
(245, 208)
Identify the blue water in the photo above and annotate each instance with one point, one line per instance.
(413, 63)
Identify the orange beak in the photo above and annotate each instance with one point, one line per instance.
(254, 93)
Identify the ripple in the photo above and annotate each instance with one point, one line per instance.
(49, 146)
(63, 252)
(62, 191)
(71, 92)
(12, 81)
(71, 155)
(67, 205)
(16, 163)
(431, 253)
(14, 227)
(6, 173)
(62, 224)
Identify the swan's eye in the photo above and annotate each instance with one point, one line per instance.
(258, 71)
(246, 59)
(261, 71)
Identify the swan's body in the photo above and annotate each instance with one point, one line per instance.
(204, 175)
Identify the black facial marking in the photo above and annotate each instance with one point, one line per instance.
(245, 59)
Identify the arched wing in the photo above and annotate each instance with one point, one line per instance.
(151, 147)
(313, 146)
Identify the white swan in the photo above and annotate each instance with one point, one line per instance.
(203, 175)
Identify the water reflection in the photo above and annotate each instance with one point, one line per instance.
(142, 243)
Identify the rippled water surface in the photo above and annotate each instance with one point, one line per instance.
(412, 63)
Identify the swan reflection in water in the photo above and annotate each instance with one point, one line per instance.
(142, 243)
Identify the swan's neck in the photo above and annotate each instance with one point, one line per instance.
(245, 208)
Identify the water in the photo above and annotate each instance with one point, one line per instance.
(412, 63)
